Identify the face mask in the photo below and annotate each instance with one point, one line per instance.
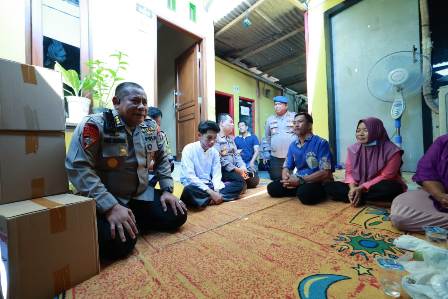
(373, 143)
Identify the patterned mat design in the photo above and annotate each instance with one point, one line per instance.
(256, 247)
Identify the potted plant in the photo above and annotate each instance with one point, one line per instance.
(97, 84)
(105, 79)
(78, 105)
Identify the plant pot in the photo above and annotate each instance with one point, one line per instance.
(78, 107)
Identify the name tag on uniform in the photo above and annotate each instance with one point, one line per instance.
(150, 135)
(151, 142)
(274, 127)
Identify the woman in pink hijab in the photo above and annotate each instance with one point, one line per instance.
(372, 167)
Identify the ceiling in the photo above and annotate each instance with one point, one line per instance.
(274, 42)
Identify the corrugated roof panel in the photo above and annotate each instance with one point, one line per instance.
(271, 20)
(289, 70)
(242, 7)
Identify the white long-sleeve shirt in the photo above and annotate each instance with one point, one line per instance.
(199, 167)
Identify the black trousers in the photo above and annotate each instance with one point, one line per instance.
(149, 216)
(276, 166)
(308, 193)
(385, 190)
(253, 182)
(234, 185)
(233, 177)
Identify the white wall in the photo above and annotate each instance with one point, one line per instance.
(166, 55)
(362, 34)
(203, 28)
(116, 25)
(121, 25)
(12, 30)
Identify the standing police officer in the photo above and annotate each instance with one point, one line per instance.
(108, 160)
(279, 132)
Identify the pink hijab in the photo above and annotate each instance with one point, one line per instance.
(368, 160)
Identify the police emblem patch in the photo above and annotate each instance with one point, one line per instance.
(90, 135)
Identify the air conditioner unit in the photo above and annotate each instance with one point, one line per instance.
(443, 110)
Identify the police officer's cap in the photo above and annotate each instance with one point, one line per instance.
(280, 99)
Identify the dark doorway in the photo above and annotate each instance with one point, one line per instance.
(179, 84)
(223, 104)
(247, 113)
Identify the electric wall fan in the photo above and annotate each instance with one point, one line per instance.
(393, 78)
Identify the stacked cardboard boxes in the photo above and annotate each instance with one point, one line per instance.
(48, 237)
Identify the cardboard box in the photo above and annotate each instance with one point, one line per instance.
(32, 164)
(51, 244)
(31, 98)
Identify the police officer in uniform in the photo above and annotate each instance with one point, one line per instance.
(108, 160)
(279, 132)
(233, 167)
(155, 114)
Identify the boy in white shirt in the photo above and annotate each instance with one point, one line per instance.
(201, 171)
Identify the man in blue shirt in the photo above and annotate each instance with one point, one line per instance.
(311, 158)
(248, 146)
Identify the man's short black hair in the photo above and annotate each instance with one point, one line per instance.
(208, 125)
(308, 117)
(223, 117)
(154, 112)
(120, 90)
(243, 122)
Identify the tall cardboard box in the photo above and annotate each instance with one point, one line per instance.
(31, 98)
(51, 244)
(32, 125)
(31, 165)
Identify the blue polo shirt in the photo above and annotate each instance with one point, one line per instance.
(247, 145)
(312, 156)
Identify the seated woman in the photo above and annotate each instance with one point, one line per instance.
(428, 206)
(372, 167)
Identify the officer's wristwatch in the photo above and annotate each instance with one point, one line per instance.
(301, 180)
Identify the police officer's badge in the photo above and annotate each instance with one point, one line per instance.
(90, 135)
(274, 127)
(311, 160)
(112, 162)
(223, 150)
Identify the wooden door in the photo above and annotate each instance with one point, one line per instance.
(188, 97)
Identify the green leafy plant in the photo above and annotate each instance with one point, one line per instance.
(77, 86)
(98, 83)
(105, 77)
